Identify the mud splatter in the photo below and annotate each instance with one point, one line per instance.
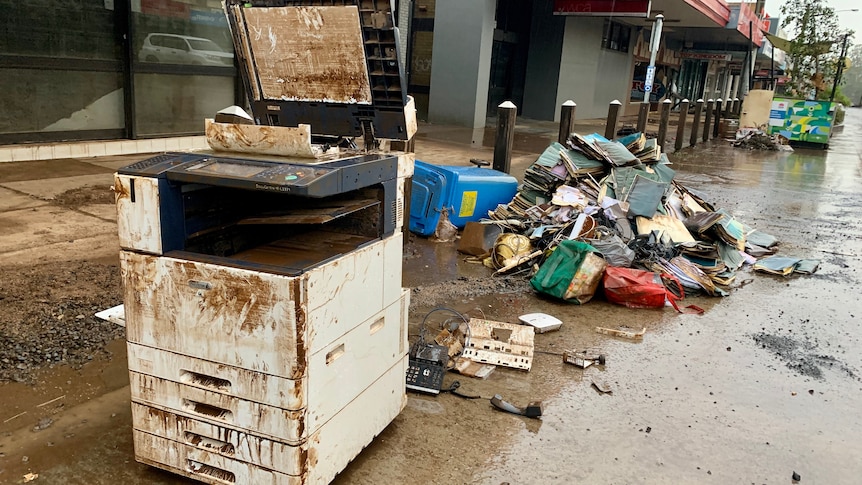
(436, 294)
(802, 357)
(88, 195)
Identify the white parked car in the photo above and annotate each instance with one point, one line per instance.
(183, 49)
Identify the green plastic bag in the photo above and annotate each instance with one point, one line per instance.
(572, 272)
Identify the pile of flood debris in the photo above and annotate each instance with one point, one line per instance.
(753, 139)
(609, 213)
(593, 213)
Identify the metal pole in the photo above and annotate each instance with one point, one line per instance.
(680, 128)
(840, 69)
(643, 115)
(506, 113)
(613, 114)
(128, 71)
(649, 80)
(567, 120)
(750, 58)
(772, 69)
(663, 120)
(737, 106)
(695, 125)
(706, 120)
(655, 41)
(717, 120)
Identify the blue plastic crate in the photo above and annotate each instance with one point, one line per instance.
(468, 192)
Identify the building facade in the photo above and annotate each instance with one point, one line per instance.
(112, 69)
(139, 69)
(465, 58)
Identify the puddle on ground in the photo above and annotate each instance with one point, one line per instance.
(61, 387)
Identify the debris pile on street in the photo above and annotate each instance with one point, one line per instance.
(593, 213)
(588, 209)
(753, 139)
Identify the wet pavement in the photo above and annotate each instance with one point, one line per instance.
(766, 383)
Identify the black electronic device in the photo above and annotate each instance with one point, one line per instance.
(425, 376)
(426, 367)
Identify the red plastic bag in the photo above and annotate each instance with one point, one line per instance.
(635, 288)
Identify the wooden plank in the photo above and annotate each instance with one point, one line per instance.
(621, 333)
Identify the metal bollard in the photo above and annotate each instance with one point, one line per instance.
(695, 124)
(643, 115)
(707, 119)
(613, 114)
(664, 117)
(680, 128)
(567, 120)
(506, 113)
(737, 105)
(717, 120)
(728, 109)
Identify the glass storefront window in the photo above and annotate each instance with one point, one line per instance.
(181, 33)
(60, 29)
(41, 100)
(167, 104)
(65, 68)
(182, 54)
(182, 49)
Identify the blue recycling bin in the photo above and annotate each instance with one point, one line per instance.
(468, 192)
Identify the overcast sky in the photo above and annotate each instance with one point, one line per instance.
(847, 20)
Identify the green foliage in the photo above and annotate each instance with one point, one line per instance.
(851, 81)
(815, 50)
(840, 97)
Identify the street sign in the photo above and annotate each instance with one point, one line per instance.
(650, 78)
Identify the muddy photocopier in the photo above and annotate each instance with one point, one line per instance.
(266, 323)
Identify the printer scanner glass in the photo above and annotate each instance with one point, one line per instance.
(226, 168)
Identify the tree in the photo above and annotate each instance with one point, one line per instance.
(815, 49)
(851, 81)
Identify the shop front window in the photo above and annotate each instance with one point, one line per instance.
(184, 66)
(60, 71)
(66, 72)
(616, 36)
(168, 104)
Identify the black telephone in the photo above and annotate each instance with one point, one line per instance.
(426, 367)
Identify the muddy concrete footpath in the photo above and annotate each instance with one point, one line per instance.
(764, 384)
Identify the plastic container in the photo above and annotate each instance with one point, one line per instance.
(468, 192)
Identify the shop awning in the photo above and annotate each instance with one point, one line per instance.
(783, 44)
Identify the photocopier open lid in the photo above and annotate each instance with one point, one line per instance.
(331, 64)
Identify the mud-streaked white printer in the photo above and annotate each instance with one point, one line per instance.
(266, 323)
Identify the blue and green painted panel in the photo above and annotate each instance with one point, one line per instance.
(800, 120)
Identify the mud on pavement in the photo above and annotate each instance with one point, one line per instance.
(763, 385)
(47, 315)
(47, 308)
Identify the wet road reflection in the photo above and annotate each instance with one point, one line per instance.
(698, 399)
